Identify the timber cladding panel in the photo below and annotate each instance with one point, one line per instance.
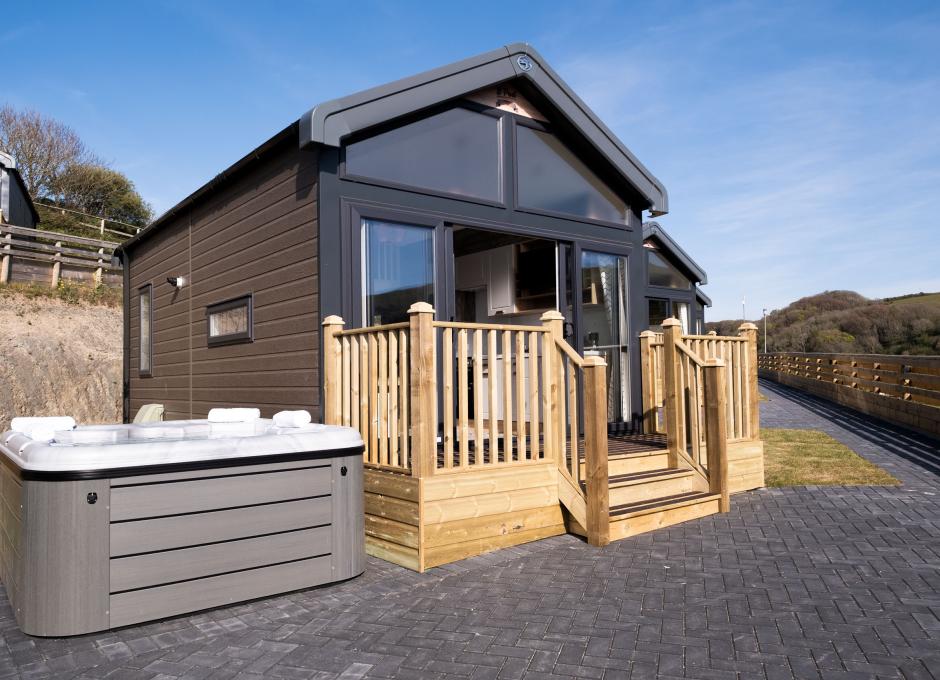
(425, 522)
(256, 234)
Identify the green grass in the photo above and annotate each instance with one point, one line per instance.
(811, 457)
(71, 293)
(919, 298)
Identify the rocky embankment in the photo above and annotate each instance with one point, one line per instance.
(59, 359)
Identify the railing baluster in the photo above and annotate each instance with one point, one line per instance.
(507, 396)
(534, 395)
(405, 400)
(573, 418)
(364, 422)
(548, 440)
(492, 385)
(447, 367)
(383, 398)
(393, 399)
(520, 395)
(478, 397)
(463, 415)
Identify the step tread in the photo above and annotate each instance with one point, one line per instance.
(630, 478)
(658, 504)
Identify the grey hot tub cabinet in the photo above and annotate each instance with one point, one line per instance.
(88, 550)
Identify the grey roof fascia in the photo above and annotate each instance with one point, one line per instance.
(700, 295)
(655, 230)
(328, 123)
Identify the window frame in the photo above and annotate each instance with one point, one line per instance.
(678, 270)
(571, 217)
(224, 306)
(148, 288)
(498, 114)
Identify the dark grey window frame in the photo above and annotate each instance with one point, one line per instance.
(232, 338)
(671, 263)
(468, 105)
(519, 207)
(148, 287)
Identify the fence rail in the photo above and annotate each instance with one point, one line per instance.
(901, 389)
(40, 256)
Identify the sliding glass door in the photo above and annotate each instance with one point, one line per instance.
(604, 324)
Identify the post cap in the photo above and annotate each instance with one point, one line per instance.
(333, 320)
(552, 315)
(712, 361)
(671, 321)
(594, 360)
(647, 334)
(712, 333)
(421, 308)
(747, 326)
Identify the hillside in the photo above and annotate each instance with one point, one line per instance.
(59, 358)
(844, 321)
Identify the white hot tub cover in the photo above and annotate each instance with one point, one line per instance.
(114, 447)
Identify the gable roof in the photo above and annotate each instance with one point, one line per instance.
(328, 123)
(654, 230)
(700, 295)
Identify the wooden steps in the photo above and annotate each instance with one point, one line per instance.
(648, 485)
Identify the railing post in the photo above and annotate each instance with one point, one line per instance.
(554, 322)
(332, 371)
(99, 272)
(647, 381)
(423, 390)
(749, 331)
(595, 450)
(716, 431)
(675, 424)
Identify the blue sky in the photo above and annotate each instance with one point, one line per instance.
(800, 142)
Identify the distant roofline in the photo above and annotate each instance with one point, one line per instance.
(9, 163)
(655, 230)
(330, 121)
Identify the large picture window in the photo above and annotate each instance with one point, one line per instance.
(398, 271)
(454, 152)
(145, 366)
(551, 178)
(229, 322)
(662, 273)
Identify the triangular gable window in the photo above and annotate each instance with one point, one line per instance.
(553, 179)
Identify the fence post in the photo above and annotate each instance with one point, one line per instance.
(332, 371)
(423, 373)
(99, 272)
(716, 431)
(554, 322)
(749, 331)
(595, 450)
(647, 383)
(675, 423)
(5, 262)
(57, 265)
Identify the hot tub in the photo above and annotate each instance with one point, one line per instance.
(107, 526)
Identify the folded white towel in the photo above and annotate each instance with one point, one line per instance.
(42, 428)
(292, 418)
(233, 415)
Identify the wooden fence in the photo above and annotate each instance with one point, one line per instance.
(46, 257)
(900, 389)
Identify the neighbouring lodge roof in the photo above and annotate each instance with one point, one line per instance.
(331, 121)
(655, 231)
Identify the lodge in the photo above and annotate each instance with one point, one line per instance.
(442, 262)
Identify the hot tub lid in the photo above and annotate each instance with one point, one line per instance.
(111, 450)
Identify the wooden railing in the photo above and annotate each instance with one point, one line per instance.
(901, 389)
(739, 354)
(436, 397)
(54, 250)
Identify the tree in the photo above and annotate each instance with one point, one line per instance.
(43, 148)
(101, 191)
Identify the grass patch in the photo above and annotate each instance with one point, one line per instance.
(811, 457)
(68, 292)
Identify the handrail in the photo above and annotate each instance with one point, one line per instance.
(685, 349)
(569, 351)
(57, 236)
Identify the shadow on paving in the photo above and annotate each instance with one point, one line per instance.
(804, 582)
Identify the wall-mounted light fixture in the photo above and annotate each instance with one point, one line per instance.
(176, 281)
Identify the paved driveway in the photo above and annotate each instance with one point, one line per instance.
(804, 582)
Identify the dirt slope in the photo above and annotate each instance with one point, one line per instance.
(59, 359)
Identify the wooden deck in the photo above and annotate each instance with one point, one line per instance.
(616, 445)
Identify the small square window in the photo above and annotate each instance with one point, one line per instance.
(229, 322)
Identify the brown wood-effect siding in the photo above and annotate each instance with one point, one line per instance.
(257, 235)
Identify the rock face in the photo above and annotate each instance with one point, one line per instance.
(59, 359)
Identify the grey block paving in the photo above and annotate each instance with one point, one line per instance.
(807, 582)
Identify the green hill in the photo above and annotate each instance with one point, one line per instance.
(844, 321)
